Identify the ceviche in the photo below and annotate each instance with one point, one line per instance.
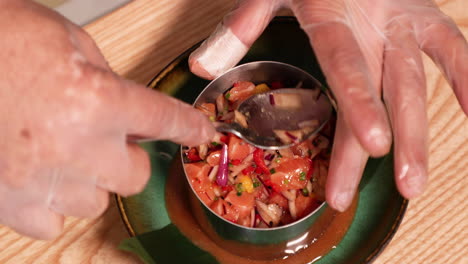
(254, 187)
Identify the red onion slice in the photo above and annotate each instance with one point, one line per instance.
(269, 157)
(291, 136)
(272, 99)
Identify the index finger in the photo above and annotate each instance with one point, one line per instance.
(150, 114)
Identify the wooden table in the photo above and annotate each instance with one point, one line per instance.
(141, 38)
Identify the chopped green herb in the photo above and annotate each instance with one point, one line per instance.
(214, 143)
(285, 181)
(239, 189)
(272, 171)
(230, 165)
(216, 198)
(256, 183)
(227, 95)
(277, 160)
(305, 192)
(302, 176)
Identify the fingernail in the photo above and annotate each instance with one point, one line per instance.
(414, 177)
(343, 200)
(381, 139)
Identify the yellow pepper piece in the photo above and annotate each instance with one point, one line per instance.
(247, 184)
(261, 88)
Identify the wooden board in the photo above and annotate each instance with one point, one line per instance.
(139, 39)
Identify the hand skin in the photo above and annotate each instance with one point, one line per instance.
(369, 51)
(66, 122)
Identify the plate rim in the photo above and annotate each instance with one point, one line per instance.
(166, 70)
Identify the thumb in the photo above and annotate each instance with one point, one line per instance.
(150, 114)
(232, 38)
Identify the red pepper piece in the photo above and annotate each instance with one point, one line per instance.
(276, 85)
(248, 170)
(227, 188)
(260, 161)
(275, 187)
(224, 139)
(235, 162)
(192, 155)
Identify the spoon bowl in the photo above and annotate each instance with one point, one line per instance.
(278, 118)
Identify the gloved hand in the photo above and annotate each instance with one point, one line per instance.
(66, 122)
(367, 49)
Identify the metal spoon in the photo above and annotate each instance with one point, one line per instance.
(262, 117)
(310, 111)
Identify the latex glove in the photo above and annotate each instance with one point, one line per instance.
(367, 49)
(66, 120)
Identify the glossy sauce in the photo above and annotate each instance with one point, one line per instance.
(322, 237)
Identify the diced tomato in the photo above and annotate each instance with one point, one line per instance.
(291, 173)
(231, 213)
(209, 109)
(218, 207)
(245, 200)
(236, 162)
(302, 149)
(275, 187)
(237, 148)
(213, 158)
(198, 174)
(244, 220)
(305, 205)
(259, 160)
(278, 199)
(248, 170)
(241, 91)
(243, 204)
(224, 139)
(192, 155)
(198, 170)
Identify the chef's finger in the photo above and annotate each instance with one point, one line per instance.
(404, 91)
(150, 114)
(73, 197)
(232, 38)
(448, 48)
(127, 173)
(347, 164)
(38, 222)
(347, 73)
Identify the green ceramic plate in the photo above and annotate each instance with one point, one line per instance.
(380, 206)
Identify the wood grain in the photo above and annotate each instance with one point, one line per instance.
(139, 39)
